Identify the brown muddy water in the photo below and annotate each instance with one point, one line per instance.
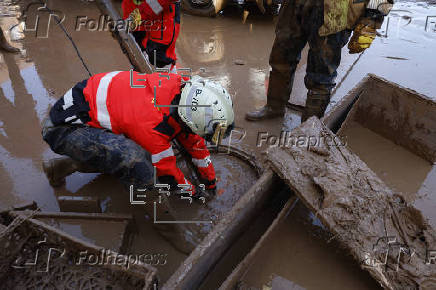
(30, 82)
(95, 232)
(297, 251)
(401, 169)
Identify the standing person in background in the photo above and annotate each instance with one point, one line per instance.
(326, 25)
(155, 25)
(4, 45)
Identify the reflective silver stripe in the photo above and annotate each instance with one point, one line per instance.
(102, 112)
(203, 163)
(68, 99)
(155, 158)
(70, 118)
(155, 6)
(78, 121)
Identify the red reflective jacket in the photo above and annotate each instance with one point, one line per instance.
(161, 25)
(123, 109)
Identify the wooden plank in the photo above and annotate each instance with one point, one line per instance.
(74, 203)
(126, 40)
(245, 264)
(194, 269)
(387, 237)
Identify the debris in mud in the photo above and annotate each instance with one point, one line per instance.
(280, 283)
(63, 261)
(240, 62)
(396, 58)
(388, 237)
(68, 203)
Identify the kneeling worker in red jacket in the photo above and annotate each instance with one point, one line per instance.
(156, 25)
(122, 123)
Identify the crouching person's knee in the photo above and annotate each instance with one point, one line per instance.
(47, 127)
(140, 170)
(56, 136)
(49, 134)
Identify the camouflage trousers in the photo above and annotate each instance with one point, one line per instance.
(101, 150)
(298, 24)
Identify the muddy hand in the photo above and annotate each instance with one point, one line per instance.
(202, 195)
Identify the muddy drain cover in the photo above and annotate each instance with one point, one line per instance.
(235, 176)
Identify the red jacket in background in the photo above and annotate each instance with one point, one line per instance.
(159, 30)
(116, 106)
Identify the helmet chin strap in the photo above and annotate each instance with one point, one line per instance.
(220, 130)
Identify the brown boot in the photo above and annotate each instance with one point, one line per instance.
(58, 168)
(266, 112)
(316, 104)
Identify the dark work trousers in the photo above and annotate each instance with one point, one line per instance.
(298, 24)
(103, 150)
(117, 155)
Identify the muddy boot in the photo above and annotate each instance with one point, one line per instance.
(177, 234)
(266, 112)
(316, 104)
(4, 45)
(58, 168)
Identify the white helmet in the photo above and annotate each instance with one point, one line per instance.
(206, 108)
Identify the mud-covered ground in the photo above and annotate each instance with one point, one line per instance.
(31, 81)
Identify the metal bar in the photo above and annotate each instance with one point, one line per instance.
(126, 40)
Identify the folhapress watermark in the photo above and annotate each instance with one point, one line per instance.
(105, 23)
(108, 257)
(45, 255)
(288, 139)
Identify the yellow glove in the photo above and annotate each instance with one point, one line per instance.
(363, 35)
(135, 19)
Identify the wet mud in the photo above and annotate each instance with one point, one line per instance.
(360, 210)
(231, 51)
(234, 178)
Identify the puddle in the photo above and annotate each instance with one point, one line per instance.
(399, 168)
(299, 252)
(106, 234)
(402, 170)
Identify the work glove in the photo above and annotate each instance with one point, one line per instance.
(363, 35)
(135, 19)
(208, 184)
(365, 31)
